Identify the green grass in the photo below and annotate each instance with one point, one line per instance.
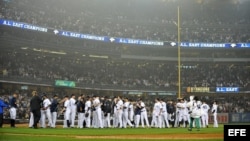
(61, 134)
(111, 131)
(21, 138)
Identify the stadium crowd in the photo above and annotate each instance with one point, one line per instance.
(128, 19)
(125, 73)
(120, 74)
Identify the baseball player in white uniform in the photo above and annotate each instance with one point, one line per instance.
(164, 114)
(125, 114)
(94, 114)
(46, 112)
(156, 114)
(204, 117)
(186, 115)
(97, 105)
(87, 111)
(214, 111)
(144, 116)
(66, 110)
(180, 109)
(72, 103)
(119, 111)
(131, 112)
(115, 119)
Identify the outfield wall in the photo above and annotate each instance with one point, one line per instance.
(231, 118)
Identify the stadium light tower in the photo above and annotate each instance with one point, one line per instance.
(179, 54)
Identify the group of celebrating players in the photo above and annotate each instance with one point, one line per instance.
(120, 112)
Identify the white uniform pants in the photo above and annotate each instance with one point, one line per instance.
(119, 118)
(106, 122)
(144, 117)
(31, 120)
(115, 119)
(99, 118)
(53, 119)
(87, 119)
(94, 119)
(66, 117)
(73, 116)
(164, 117)
(126, 120)
(12, 113)
(137, 120)
(80, 120)
(131, 116)
(154, 122)
(215, 120)
(46, 114)
(204, 119)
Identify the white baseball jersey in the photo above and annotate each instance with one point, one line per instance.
(46, 102)
(214, 108)
(67, 105)
(96, 102)
(72, 104)
(143, 105)
(87, 105)
(157, 108)
(205, 107)
(119, 105)
(164, 107)
(184, 109)
(125, 107)
(180, 107)
(131, 109)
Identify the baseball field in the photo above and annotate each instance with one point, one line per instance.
(23, 133)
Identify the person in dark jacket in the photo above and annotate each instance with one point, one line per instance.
(171, 112)
(80, 110)
(2, 106)
(107, 108)
(54, 110)
(35, 106)
(137, 114)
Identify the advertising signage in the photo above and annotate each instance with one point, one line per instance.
(110, 39)
(64, 83)
(198, 89)
(227, 89)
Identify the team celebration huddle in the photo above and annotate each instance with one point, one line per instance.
(119, 112)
